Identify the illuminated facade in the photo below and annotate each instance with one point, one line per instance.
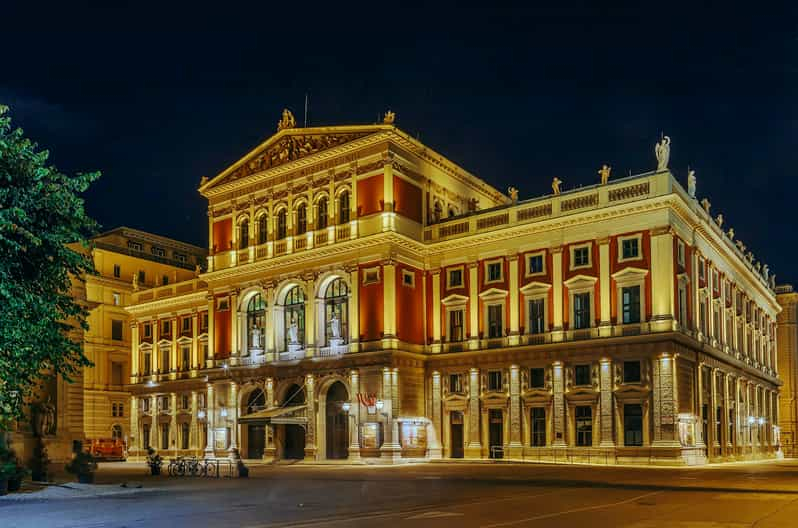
(126, 260)
(367, 297)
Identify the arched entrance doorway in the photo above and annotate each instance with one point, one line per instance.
(293, 434)
(256, 433)
(337, 422)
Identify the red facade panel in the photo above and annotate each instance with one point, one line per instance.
(222, 235)
(409, 317)
(370, 195)
(371, 300)
(407, 199)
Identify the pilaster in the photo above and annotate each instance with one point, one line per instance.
(665, 405)
(310, 433)
(389, 303)
(134, 357)
(557, 333)
(354, 416)
(605, 315)
(516, 448)
(662, 280)
(607, 437)
(473, 305)
(434, 431)
(436, 310)
(354, 310)
(473, 447)
(210, 419)
(234, 429)
(558, 403)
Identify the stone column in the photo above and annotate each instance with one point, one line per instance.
(354, 310)
(473, 305)
(210, 420)
(173, 422)
(557, 333)
(136, 353)
(195, 362)
(724, 415)
(154, 432)
(606, 404)
(700, 441)
(234, 348)
(435, 431)
(390, 449)
(193, 436)
(354, 416)
(389, 303)
(133, 441)
(665, 403)
(387, 184)
(211, 342)
(662, 280)
(605, 317)
(155, 365)
(234, 416)
(474, 445)
(558, 404)
(310, 433)
(516, 448)
(310, 318)
(515, 310)
(712, 413)
(436, 310)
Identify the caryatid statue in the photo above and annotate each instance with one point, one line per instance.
(663, 152)
(335, 326)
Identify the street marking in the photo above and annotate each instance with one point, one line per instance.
(434, 515)
(575, 510)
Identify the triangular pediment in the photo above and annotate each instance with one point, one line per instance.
(286, 146)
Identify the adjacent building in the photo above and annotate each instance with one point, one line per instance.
(126, 260)
(367, 297)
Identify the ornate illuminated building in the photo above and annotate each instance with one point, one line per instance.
(367, 297)
(788, 368)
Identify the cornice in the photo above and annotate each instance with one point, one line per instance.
(168, 303)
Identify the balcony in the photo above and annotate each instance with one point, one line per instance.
(170, 290)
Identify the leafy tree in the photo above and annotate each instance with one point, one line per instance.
(44, 233)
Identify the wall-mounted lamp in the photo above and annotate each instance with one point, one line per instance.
(380, 405)
(346, 406)
(200, 414)
(751, 420)
(224, 412)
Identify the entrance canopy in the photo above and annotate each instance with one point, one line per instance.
(294, 414)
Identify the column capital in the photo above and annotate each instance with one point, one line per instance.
(555, 250)
(603, 241)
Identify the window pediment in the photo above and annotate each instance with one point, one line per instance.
(580, 282)
(454, 300)
(630, 274)
(164, 343)
(535, 287)
(493, 294)
(184, 341)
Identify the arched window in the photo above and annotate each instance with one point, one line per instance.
(116, 432)
(343, 208)
(301, 219)
(282, 227)
(294, 321)
(243, 234)
(263, 229)
(256, 317)
(336, 312)
(322, 214)
(256, 401)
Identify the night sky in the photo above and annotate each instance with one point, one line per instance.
(157, 99)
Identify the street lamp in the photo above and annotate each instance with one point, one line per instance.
(200, 414)
(346, 406)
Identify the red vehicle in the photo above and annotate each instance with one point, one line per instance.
(108, 448)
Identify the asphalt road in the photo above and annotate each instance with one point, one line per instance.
(435, 495)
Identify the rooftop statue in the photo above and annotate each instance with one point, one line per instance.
(604, 172)
(389, 118)
(663, 152)
(706, 204)
(691, 181)
(555, 185)
(719, 220)
(287, 121)
(773, 282)
(731, 233)
(765, 271)
(513, 192)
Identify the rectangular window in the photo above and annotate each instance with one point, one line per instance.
(581, 257)
(456, 332)
(184, 435)
(113, 410)
(117, 297)
(165, 403)
(680, 253)
(534, 264)
(186, 401)
(538, 420)
(322, 214)
(142, 277)
(120, 410)
(117, 271)
(630, 248)
(631, 372)
(135, 246)
(147, 363)
(148, 330)
(116, 330)
(537, 378)
(204, 354)
(456, 383)
(145, 404)
(186, 325)
(455, 278)
(145, 435)
(537, 316)
(204, 324)
(582, 375)
(682, 300)
(185, 357)
(494, 271)
(701, 269)
(584, 426)
(165, 360)
(633, 425)
(630, 299)
(180, 257)
(165, 436)
(343, 208)
(581, 310)
(301, 219)
(158, 252)
(495, 321)
(166, 328)
(116, 373)
(494, 380)
(408, 279)
(164, 280)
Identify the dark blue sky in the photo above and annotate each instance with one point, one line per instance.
(156, 99)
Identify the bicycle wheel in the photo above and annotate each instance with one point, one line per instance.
(181, 469)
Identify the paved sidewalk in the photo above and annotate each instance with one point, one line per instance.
(73, 490)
